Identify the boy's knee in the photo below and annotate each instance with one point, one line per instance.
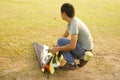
(60, 41)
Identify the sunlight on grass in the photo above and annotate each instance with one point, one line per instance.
(23, 22)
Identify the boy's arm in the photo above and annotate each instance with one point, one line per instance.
(66, 34)
(68, 47)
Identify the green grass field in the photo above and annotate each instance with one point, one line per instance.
(23, 22)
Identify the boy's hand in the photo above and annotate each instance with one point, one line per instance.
(54, 50)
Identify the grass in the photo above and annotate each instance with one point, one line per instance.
(23, 22)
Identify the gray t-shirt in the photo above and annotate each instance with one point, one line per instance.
(84, 36)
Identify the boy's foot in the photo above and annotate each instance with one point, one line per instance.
(82, 63)
(69, 66)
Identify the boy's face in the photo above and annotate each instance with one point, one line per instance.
(63, 15)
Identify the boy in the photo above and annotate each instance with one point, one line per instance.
(80, 42)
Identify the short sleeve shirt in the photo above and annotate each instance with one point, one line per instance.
(76, 26)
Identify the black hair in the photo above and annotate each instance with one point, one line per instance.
(68, 9)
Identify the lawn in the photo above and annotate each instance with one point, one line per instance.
(23, 22)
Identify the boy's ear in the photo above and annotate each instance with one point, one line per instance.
(64, 13)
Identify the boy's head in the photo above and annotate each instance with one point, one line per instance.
(67, 9)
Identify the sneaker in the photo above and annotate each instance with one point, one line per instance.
(82, 63)
(68, 66)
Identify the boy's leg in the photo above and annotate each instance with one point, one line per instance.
(67, 55)
(78, 53)
(70, 65)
